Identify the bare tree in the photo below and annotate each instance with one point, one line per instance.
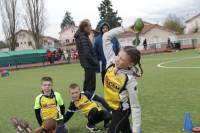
(35, 19)
(9, 21)
(174, 23)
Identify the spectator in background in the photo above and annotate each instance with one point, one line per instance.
(168, 43)
(50, 56)
(87, 55)
(60, 53)
(55, 55)
(98, 46)
(67, 55)
(145, 44)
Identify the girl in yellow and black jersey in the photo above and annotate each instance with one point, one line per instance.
(120, 85)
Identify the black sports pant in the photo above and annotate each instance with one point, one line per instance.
(120, 122)
(61, 128)
(95, 116)
(90, 80)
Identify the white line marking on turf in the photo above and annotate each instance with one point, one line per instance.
(161, 65)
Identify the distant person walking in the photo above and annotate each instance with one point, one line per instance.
(87, 55)
(145, 44)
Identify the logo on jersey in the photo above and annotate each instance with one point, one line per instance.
(111, 84)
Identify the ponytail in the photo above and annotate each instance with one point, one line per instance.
(135, 57)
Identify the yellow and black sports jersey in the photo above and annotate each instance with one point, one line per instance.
(87, 101)
(49, 106)
(84, 104)
(113, 86)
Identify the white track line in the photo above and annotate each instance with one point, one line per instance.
(161, 65)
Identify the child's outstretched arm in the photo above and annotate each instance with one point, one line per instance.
(60, 103)
(107, 44)
(98, 99)
(134, 103)
(70, 112)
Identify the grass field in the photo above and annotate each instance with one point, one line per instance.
(165, 94)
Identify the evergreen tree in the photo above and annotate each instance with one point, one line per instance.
(107, 13)
(67, 21)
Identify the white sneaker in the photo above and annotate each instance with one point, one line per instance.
(92, 129)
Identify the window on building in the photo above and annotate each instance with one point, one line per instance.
(49, 43)
(17, 44)
(67, 41)
(73, 40)
(20, 36)
(29, 43)
(45, 41)
(21, 42)
(24, 42)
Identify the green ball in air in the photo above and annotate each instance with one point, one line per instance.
(139, 25)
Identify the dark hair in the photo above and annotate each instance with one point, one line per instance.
(47, 78)
(73, 86)
(106, 26)
(135, 57)
(50, 123)
(84, 24)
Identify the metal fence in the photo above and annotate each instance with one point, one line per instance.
(38, 60)
(180, 44)
(34, 60)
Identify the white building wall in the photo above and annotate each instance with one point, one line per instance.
(67, 36)
(25, 41)
(192, 24)
(157, 35)
(154, 36)
(48, 42)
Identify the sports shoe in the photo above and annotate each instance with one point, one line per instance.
(106, 124)
(92, 128)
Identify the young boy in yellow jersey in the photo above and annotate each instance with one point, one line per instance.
(87, 104)
(49, 104)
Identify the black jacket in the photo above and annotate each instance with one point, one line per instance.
(87, 55)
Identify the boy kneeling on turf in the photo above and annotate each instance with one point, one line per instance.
(50, 105)
(87, 104)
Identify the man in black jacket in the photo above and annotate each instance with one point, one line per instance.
(87, 55)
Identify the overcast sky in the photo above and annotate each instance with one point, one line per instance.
(150, 10)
